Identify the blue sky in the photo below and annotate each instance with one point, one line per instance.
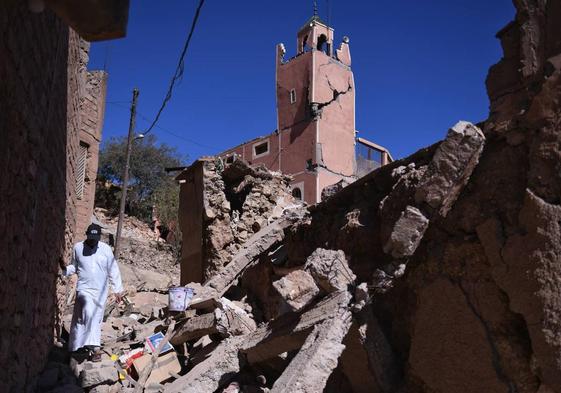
(419, 67)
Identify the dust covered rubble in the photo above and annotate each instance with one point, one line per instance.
(266, 321)
(141, 247)
(453, 251)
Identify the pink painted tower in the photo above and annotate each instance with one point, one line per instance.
(315, 140)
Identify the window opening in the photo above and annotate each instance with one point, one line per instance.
(297, 193)
(81, 170)
(292, 96)
(260, 149)
(309, 165)
(322, 44)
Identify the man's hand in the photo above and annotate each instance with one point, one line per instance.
(119, 297)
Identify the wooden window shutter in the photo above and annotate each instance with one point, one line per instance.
(81, 170)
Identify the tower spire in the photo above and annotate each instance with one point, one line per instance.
(315, 8)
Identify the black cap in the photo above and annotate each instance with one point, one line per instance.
(93, 232)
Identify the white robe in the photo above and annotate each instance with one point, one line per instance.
(94, 272)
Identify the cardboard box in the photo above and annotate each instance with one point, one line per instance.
(165, 365)
(154, 340)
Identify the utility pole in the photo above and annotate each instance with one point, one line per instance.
(126, 172)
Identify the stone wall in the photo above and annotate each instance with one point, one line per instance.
(43, 74)
(221, 207)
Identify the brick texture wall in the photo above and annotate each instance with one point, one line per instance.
(92, 109)
(42, 80)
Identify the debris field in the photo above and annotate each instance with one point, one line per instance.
(438, 272)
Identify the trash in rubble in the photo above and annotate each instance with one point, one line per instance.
(166, 367)
(179, 298)
(127, 359)
(153, 341)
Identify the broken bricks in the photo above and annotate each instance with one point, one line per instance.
(225, 335)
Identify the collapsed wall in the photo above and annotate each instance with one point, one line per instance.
(460, 247)
(221, 206)
(457, 247)
(436, 273)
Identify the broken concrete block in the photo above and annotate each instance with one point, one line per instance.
(311, 367)
(288, 332)
(144, 280)
(297, 288)
(195, 328)
(233, 387)
(144, 302)
(407, 233)
(330, 269)
(98, 373)
(451, 166)
(362, 297)
(216, 370)
(104, 389)
(233, 320)
(259, 243)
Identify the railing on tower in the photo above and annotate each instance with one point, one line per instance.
(370, 156)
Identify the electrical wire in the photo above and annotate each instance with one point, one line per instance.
(179, 69)
(147, 120)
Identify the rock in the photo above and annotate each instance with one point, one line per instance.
(145, 280)
(407, 233)
(362, 297)
(101, 389)
(233, 387)
(145, 302)
(98, 373)
(238, 202)
(232, 319)
(297, 288)
(310, 369)
(330, 270)
(451, 166)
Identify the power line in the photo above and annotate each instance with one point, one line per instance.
(179, 69)
(147, 120)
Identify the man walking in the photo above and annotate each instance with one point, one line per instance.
(95, 265)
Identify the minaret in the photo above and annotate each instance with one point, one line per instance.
(315, 109)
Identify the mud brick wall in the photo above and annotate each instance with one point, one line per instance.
(92, 110)
(39, 122)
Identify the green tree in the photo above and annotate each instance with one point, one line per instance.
(149, 184)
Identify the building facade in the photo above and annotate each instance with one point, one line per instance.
(315, 140)
(44, 119)
(92, 111)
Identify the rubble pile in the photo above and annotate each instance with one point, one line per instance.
(141, 247)
(436, 273)
(239, 201)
